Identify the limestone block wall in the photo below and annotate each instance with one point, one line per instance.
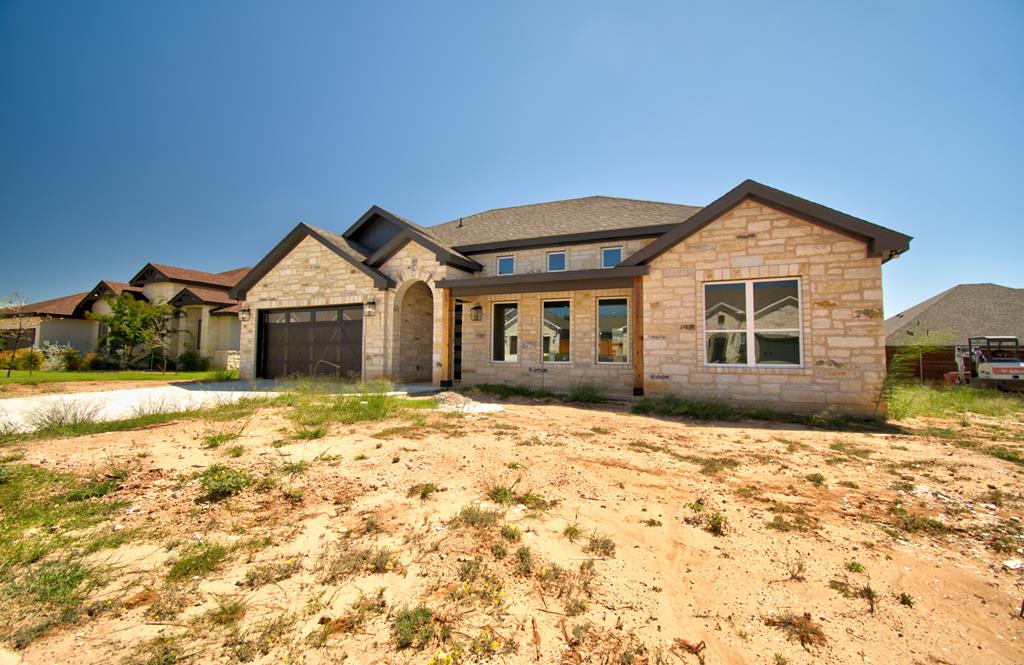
(411, 264)
(416, 334)
(312, 275)
(578, 257)
(529, 370)
(843, 336)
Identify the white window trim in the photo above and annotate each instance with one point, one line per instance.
(497, 264)
(597, 331)
(749, 330)
(491, 335)
(618, 247)
(547, 260)
(571, 331)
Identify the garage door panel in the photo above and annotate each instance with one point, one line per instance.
(326, 341)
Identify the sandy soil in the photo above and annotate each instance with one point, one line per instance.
(639, 481)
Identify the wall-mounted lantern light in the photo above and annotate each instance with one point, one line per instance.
(371, 306)
(243, 314)
(476, 313)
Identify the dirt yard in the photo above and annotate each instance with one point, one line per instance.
(542, 533)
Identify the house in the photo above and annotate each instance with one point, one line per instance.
(949, 318)
(761, 297)
(51, 321)
(206, 317)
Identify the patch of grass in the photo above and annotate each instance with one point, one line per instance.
(229, 610)
(911, 523)
(850, 450)
(799, 628)
(854, 566)
(588, 393)
(914, 400)
(524, 561)
(413, 627)
(651, 522)
(791, 518)
(511, 533)
(292, 468)
(906, 599)
(502, 390)
(161, 650)
(712, 409)
(61, 584)
(197, 560)
(849, 483)
(815, 479)
(220, 482)
(572, 532)
(507, 495)
(270, 573)
(235, 451)
(215, 440)
(39, 376)
(600, 545)
(422, 490)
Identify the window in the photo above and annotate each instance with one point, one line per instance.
(610, 256)
(302, 316)
(556, 261)
(506, 265)
(774, 327)
(326, 315)
(555, 333)
(506, 332)
(612, 330)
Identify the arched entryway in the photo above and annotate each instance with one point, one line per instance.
(416, 334)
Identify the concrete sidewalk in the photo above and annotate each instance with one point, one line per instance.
(18, 414)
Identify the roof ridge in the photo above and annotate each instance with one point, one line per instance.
(579, 198)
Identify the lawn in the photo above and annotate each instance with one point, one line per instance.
(23, 376)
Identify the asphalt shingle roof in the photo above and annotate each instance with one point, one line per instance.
(225, 279)
(62, 306)
(592, 213)
(966, 310)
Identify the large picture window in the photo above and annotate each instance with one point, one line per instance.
(555, 341)
(506, 332)
(612, 330)
(752, 323)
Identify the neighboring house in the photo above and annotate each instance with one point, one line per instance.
(949, 318)
(206, 317)
(760, 298)
(53, 321)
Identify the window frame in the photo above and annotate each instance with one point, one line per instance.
(565, 260)
(750, 329)
(491, 335)
(597, 331)
(604, 249)
(497, 264)
(569, 301)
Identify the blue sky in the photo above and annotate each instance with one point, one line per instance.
(199, 133)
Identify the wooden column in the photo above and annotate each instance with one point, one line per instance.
(447, 337)
(636, 331)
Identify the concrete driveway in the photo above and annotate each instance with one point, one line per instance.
(20, 414)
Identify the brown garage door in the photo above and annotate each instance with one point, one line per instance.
(322, 341)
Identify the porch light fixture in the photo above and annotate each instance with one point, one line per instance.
(476, 313)
(243, 314)
(371, 306)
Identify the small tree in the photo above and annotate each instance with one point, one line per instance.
(132, 323)
(16, 309)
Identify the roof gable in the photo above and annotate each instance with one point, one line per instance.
(348, 251)
(384, 233)
(158, 272)
(103, 288)
(880, 240)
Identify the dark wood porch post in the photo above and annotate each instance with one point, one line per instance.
(636, 328)
(447, 337)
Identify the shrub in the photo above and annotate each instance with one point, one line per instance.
(413, 627)
(588, 392)
(71, 359)
(191, 361)
(23, 359)
(96, 362)
(219, 482)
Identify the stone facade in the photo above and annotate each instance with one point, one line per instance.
(836, 308)
(842, 331)
(529, 369)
